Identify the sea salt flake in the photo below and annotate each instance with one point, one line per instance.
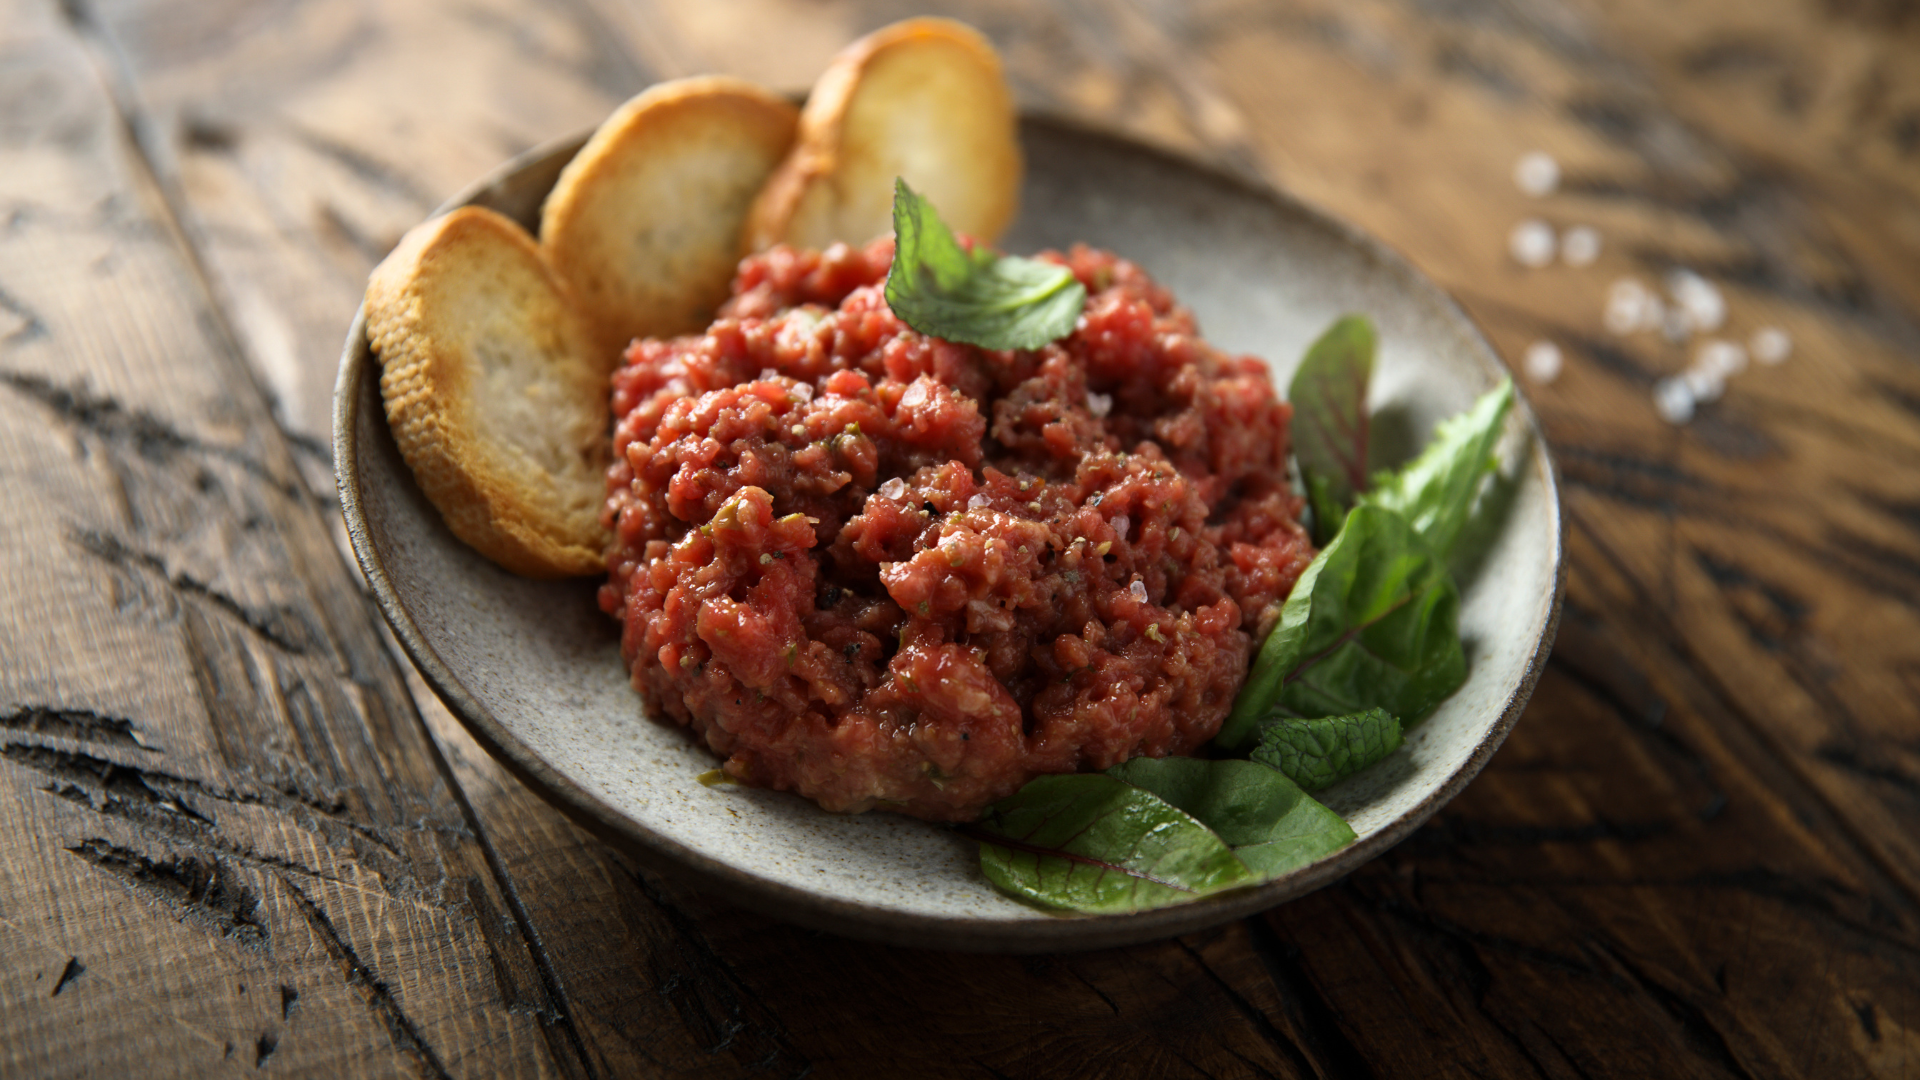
(1724, 357)
(1673, 401)
(1626, 306)
(1705, 308)
(1531, 243)
(893, 488)
(1580, 246)
(1121, 523)
(1542, 361)
(1536, 173)
(1099, 404)
(1139, 591)
(1770, 345)
(978, 502)
(1703, 384)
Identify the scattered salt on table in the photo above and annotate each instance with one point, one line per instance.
(1771, 345)
(1722, 356)
(1531, 243)
(1580, 246)
(1673, 401)
(1536, 173)
(1542, 361)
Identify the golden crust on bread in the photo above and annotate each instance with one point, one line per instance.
(495, 390)
(922, 99)
(645, 222)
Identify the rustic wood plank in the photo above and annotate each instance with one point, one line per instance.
(1688, 860)
(226, 843)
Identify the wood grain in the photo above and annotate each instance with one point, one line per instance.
(226, 842)
(1694, 857)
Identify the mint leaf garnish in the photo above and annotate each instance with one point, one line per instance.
(1373, 621)
(1089, 842)
(1329, 397)
(1435, 491)
(993, 301)
(1271, 824)
(1324, 751)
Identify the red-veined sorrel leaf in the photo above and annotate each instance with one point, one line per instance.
(1088, 842)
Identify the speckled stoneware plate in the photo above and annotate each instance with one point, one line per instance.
(534, 669)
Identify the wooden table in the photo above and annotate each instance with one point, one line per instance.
(237, 834)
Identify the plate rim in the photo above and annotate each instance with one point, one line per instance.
(357, 378)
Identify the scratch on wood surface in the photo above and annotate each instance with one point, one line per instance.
(205, 894)
(80, 725)
(284, 626)
(402, 1030)
(263, 1049)
(72, 971)
(1269, 1031)
(152, 439)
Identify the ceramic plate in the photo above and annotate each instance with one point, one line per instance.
(534, 670)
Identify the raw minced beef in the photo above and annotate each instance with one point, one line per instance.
(889, 571)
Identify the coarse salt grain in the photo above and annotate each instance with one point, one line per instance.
(1673, 401)
(767, 374)
(978, 502)
(1703, 384)
(1099, 404)
(1542, 361)
(1770, 345)
(1536, 173)
(1580, 246)
(893, 488)
(1705, 308)
(1626, 306)
(802, 391)
(1722, 356)
(1139, 591)
(1121, 523)
(1531, 243)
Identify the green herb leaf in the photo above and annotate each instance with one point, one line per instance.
(1435, 491)
(1271, 824)
(993, 301)
(1322, 752)
(1329, 397)
(1089, 842)
(1374, 621)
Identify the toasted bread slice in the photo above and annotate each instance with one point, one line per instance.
(495, 390)
(645, 222)
(922, 99)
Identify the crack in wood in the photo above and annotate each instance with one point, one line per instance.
(80, 725)
(1696, 1027)
(72, 971)
(130, 784)
(263, 1049)
(1270, 1032)
(1314, 1016)
(136, 786)
(283, 626)
(152, 440)
(401, 1030)
(205, 894)
(699, 978)
(27, 325)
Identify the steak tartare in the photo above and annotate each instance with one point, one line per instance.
(889, 571)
